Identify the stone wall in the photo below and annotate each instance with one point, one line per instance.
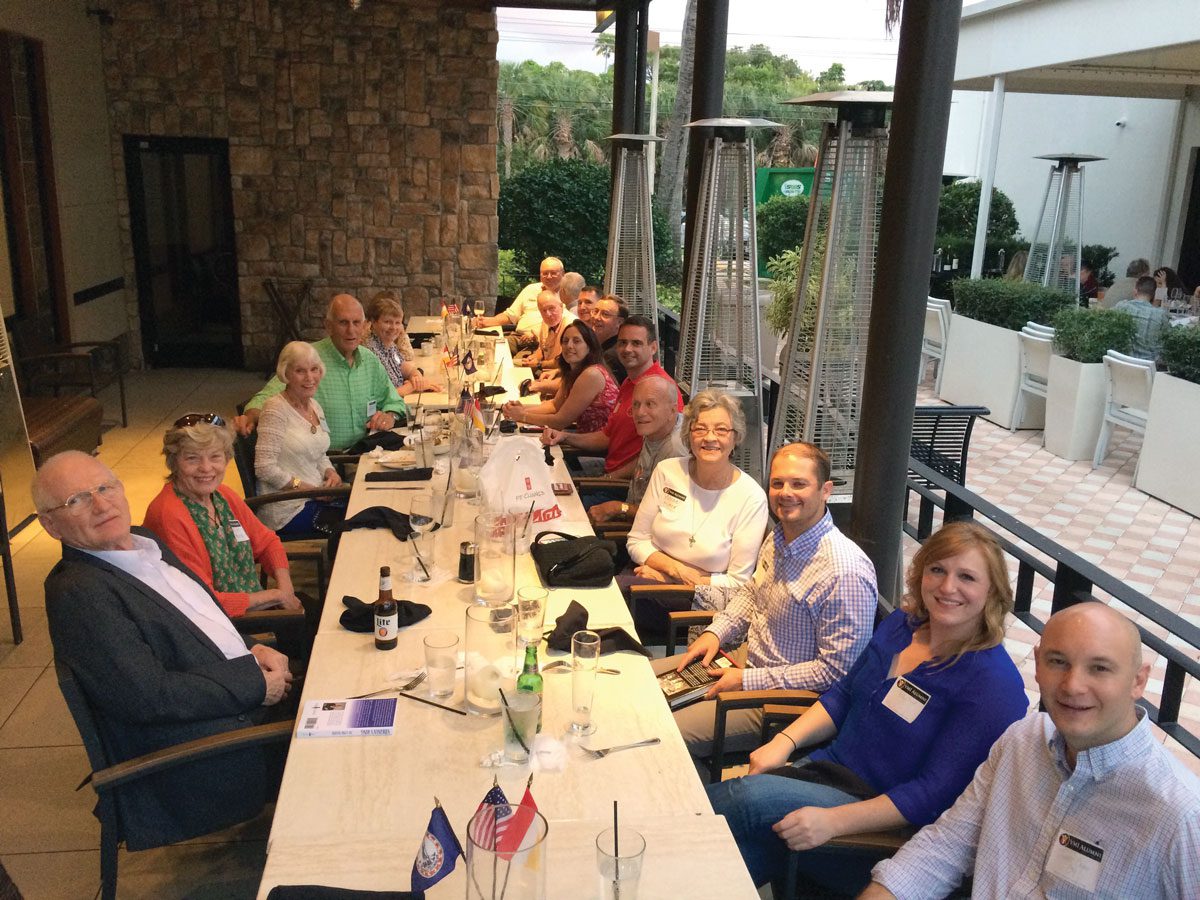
(362, 143)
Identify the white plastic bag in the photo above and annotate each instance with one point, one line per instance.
(515, 476)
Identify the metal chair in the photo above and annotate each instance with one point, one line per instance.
(10, 581)
(92, 365)
(1127, 398)
(933, 342)
(1036, 346)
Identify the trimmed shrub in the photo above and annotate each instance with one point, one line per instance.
(1181, 352)
(1097, 257)
(781, 222)
(509, 283)
(958, 207)
(1009, 304)
(1085, 335)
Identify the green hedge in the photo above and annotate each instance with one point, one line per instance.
(1181, 352)
(781, 223)
(1085, 335)
(1009, 304)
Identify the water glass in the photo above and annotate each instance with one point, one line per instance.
(511, 865)
(585, 657)
(422, 516)
(531, 613)
(495, 558)
(468, 459)
(619, 855)
(520, 720)
(441, 662)
(491, 645)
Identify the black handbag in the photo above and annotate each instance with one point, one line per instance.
(573, 561)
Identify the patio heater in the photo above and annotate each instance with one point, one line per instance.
(719, 341)
(825, 356)
(1057, 245)
(629, 267)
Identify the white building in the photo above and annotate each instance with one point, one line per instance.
(1113, 78)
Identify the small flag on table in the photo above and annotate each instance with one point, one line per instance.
(519, 835)
(452, 309)
(476, 414)
(468, 363)
(445, 312)
(489, 830)
(448, 358)
(438, 853)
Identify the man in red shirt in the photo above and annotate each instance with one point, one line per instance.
(618, 442)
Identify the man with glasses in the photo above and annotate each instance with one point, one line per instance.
(157, 658)
(523, 312)
(607, 318)
(355, 392)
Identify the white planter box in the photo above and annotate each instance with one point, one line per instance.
(983, 367)
(1166, 468)
(1074, 407)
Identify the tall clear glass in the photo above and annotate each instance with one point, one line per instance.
(531, 613)
(467, 461)
(511, 865)
(585, 657)
(491, 644)
(495, 558)
(619, 860)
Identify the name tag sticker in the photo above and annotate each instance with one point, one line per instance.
(325, 425)
(1075, 860)
(372, 407)
(906, 700)
(239, 533)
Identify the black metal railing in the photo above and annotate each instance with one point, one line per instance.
(1074, 579)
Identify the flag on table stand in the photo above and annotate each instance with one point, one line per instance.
(445, 312)
(476, 414)
(468, 363)
(449, 358)
(489, 830)
(438, 853)
(519, 834)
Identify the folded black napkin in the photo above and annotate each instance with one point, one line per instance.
(378, 517)
(400, 475)
(360, 617)
(388, 440)
(320, 892)
(576, 618)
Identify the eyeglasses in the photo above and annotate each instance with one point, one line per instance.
(197, 418)
(721, 431)
(82, 502)
(608, 313)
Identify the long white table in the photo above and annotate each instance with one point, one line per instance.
(340, 794)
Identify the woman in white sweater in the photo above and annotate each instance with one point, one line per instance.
(702, 518)
(293, 439)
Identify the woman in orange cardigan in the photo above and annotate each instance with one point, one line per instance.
(210, 527)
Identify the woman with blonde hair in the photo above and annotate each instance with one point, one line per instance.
(909, 723)
(389, 341)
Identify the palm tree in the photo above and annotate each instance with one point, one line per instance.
(606, 46)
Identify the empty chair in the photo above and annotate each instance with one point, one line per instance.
(1127, 398)
(933, 342)
(1036, 345)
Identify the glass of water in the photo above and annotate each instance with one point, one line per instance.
(422, 517)
(441, 662)
(619, 855)
(531, 613)
(585, 656)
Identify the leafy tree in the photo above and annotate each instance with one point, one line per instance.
(557, 208)
(958, 208)
(606, 46)
(872, 85)
(781, 223)
(832, 78)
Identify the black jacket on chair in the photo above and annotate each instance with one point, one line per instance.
(153, 680)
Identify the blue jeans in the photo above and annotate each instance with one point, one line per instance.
(753, 804)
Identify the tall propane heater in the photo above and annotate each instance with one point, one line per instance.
(719, 340)
(825, 357)
(629, 267)
(1057, 246)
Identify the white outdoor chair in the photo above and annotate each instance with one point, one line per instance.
(933, 342)
(1035, 349)
(1040, 330)
(1127, 400)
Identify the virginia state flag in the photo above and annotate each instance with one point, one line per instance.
(468, 363)
(438, 853)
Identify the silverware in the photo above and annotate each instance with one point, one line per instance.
(600, 754)
(405, 687)
(566, 663)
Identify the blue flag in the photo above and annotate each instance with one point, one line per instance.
(468, 363)
(438, 853)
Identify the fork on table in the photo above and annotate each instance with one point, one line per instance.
(404, 687)
(600, 754)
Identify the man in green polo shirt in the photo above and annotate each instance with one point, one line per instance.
(355, 392)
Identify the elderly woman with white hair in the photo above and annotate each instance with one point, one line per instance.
(209, 527)
(293, 439)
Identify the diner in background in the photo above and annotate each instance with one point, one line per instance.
(1169, 287)
(544, 356)
(586, 392)
(608, 316)
(293, 439)
(702, 518)
(389, 341)
(210, 528)
(1123, 288)
(522, 313)
(909, 724)
(1151, 320)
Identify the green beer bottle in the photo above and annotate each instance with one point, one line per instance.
(530, 679)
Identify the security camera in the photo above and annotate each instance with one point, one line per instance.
(1120, 123)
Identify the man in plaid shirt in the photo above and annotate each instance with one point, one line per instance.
(802, 619)
(1082, 800)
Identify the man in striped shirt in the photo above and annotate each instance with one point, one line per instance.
(803, 618)
(1079, 801)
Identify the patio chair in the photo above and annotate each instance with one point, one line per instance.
(50, 368)
(1127, 398)
(1035, 349)
(933, 342)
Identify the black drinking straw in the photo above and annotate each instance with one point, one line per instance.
(616, 854)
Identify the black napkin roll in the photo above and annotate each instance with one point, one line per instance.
(360, 617)
(379, 517)
(575, 618)
(400, 475)
(321, 892)
(388, 440)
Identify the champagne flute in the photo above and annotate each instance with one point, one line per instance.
(422, 517)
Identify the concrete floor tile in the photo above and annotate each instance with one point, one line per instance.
(193, 871)
(42, 720)
(42, 809)
(55, 876)
(35, 651)
(14, 685)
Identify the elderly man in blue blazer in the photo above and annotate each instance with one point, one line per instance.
(157, 658)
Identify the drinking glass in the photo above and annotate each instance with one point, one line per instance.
(510, 861)
(468, 459)
(441, 662)
(585, 656)
(422, 516)
(519, 721)
(479, 307)
(531, 613)
(490, 645)
(619, 855)
(495, 558)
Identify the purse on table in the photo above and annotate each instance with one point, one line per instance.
(570, 561)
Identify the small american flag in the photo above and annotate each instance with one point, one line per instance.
(488, 830)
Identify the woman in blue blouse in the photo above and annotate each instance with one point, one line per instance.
(909, 723)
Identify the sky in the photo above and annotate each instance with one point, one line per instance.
(814, 34)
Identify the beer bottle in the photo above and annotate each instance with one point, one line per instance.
(387, 614)
(530, 679)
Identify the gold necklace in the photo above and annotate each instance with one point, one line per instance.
(306, 413)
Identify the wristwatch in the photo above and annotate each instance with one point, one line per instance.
(625, 510)
(295, 483)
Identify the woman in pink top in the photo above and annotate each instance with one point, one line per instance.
(587, 391)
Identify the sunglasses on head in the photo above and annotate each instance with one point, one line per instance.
(197, 418)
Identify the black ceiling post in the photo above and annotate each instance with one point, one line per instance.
(625, 70)
(920, 117)
(639, 82)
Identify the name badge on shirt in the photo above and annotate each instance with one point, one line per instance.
(325, 425)
(239, 533)
(1075, 860)
(906, 700)
(372, 407)
(672, 498)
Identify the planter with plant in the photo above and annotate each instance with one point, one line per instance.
(983, 354)
(1075, 390)
(1173, 426)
